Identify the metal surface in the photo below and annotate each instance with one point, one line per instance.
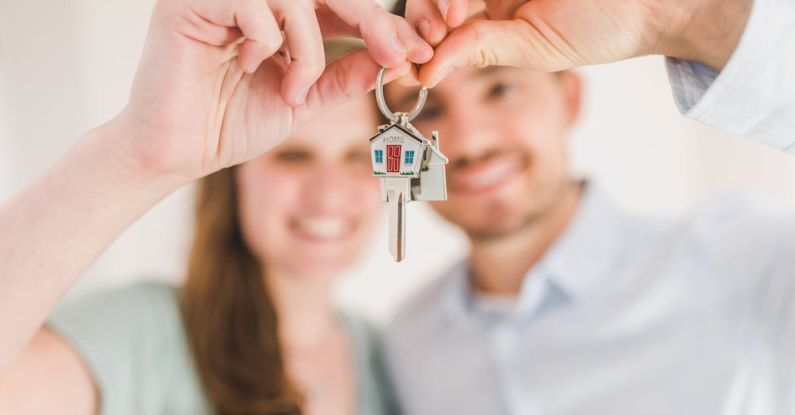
(392, 116)
(422, 178)
(398, 192)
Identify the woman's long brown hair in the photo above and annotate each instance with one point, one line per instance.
(229, 317)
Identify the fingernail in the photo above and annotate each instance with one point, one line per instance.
(442, 74)
(396, 45)
(424, 27)
(300, 96)
(443, 6)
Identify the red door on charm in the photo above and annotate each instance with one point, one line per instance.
(393, 158)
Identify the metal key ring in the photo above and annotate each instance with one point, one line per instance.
(379, 97)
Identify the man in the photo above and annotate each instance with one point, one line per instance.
(568, 305)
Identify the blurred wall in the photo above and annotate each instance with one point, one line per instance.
(67, 66)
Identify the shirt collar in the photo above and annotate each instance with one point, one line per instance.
(590, 247)
(581, 258)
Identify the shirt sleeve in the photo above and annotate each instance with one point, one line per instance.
(754, 95)
(117, 334)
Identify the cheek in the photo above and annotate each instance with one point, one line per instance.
(266, 199)
(542, 129)
(365, 198)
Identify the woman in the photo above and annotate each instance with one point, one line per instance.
(253, 330)
(219, 84)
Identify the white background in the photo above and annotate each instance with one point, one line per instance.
(67, 66)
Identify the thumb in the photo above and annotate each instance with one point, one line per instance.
(481, 43)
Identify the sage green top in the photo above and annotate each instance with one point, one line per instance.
(134, 343)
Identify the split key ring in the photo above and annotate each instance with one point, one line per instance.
(391, 116)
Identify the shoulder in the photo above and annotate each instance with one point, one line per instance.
(421, 313)
(135, 302)
(742, 224)
(140, 313)
(733, 241)
(133, 342)
(374, 391)
(360, 330)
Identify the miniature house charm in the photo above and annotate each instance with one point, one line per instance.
(403, 153)
(410, 166)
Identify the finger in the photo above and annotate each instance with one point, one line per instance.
(350, 76)
(504, 9)
(380, 31)
(198, 28)
(252, 18)
(410, 79)
(427, 19)
(454, 11)
(305, 45)
(331, 26)
(482, 43)
(256, 49)
(417, 51)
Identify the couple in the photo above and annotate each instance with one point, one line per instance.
(566, 304)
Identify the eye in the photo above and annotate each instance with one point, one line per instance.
(292, 155)
(500, 89)
(429, 114)
(359, 158)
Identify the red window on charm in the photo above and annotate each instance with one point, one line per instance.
(393, 158)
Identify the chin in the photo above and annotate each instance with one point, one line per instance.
(317, 268)
(496, 217)
(323, 259)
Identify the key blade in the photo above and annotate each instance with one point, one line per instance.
(396, 204)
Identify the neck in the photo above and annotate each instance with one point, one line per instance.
(303, 306)
(499, 265)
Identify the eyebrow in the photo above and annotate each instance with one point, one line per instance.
(409, 97)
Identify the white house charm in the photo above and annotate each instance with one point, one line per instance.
(410, 166)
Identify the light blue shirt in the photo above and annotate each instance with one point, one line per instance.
(133, 341)
(754, 94)
(623, 316)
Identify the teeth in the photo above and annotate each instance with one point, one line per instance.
(323, 228)
(493, 175)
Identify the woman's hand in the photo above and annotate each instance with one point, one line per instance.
(554, 35)
(214, 88)
(218, 83)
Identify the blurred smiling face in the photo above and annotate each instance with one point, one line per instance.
(308, 205)
(504, 131)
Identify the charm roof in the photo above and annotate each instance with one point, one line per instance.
(413, 134)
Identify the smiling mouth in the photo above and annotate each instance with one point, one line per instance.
(322, 229)
(487, 174)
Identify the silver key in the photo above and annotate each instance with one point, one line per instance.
(410, 166)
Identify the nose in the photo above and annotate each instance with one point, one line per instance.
(327, 189)
(469, 132)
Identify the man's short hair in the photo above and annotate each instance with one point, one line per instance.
(399, 8)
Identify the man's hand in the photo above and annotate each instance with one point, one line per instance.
(554, 35)
(223, 81)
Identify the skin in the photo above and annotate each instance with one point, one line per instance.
(509, 188)
(296, 218)
(553, 35)
(211, 91)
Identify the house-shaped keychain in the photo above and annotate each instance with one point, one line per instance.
(400, 151)
(409, 166)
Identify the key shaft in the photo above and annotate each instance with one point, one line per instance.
(398, 193)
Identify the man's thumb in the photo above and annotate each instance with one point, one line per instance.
(481, 43)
